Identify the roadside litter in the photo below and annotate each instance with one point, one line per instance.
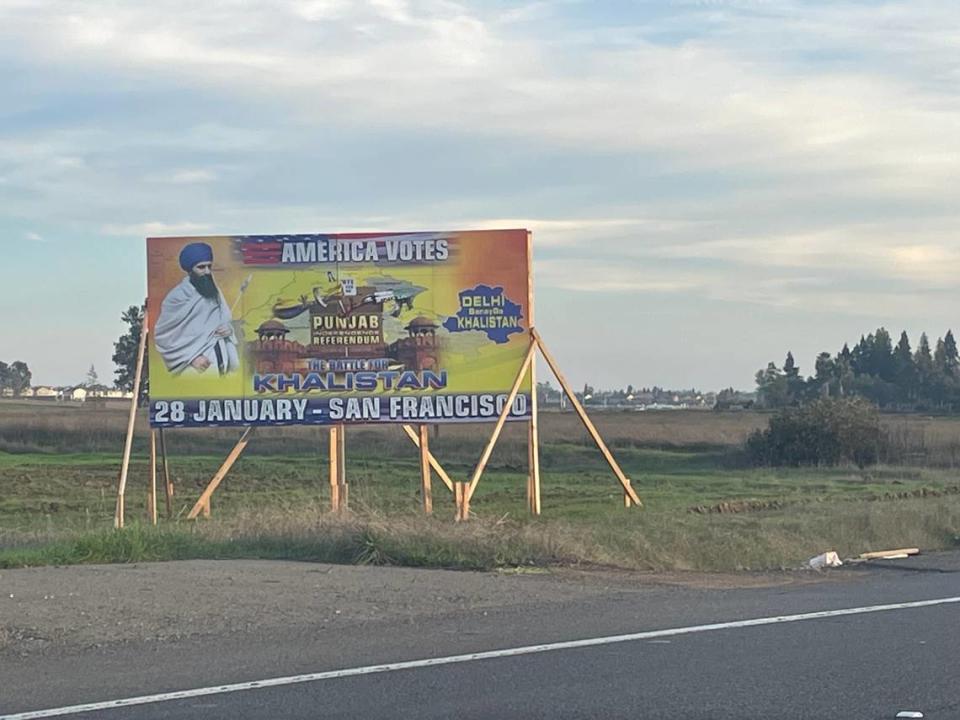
(830, 558)
(909, 714)
(827, 559)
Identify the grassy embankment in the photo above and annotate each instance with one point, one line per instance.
(705, 508)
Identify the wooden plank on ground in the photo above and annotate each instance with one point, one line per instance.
(886, 553)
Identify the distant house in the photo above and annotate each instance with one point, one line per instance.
(44, 392)
(77, 394)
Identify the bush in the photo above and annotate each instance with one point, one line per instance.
(826, 432)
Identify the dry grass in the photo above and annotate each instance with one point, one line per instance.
(38, 426)
(759, 541)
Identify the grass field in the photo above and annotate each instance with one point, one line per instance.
(705, 508)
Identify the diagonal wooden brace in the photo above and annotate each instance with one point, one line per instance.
(204, 500)
(628, 490)
(504, 414)
(434, 463)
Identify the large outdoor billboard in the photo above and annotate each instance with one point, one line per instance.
(348, 328)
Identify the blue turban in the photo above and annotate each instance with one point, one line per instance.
(194, 253)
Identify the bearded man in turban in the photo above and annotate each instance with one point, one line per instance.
(194, 331)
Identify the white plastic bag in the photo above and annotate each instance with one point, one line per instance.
(827, 559)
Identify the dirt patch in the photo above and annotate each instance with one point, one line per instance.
(94, 606)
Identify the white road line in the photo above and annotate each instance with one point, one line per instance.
(470, 657)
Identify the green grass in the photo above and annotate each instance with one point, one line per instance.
(58, 487)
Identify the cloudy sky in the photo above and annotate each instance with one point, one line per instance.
(710, 183)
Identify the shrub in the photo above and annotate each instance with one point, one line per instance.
(829, 431)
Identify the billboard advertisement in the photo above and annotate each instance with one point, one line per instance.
(341, 328)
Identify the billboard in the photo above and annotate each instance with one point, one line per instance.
(342, 328)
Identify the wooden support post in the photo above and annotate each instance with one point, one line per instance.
(462, 501)
(152, 495)
(507, 407)
(434, 463)
(426, 496)
(334, 472)
(465, 509)
(533, 432)
(167, 482)
(624, 481)
(533, 453)
(203, 503)
(131, 420)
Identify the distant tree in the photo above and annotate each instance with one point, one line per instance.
(790, 368)
(860, 356)
(940, 357)
(823, 383)
(92, 379)
(950, 353)
(794, 381)
(772, 387)
(844, 370)
(4, 376)
(19, 377)
(125, 354)
(923, 359)
(881, 357)
(905, 374)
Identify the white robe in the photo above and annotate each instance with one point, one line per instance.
(186, 329)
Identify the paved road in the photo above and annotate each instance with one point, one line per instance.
(853, 666)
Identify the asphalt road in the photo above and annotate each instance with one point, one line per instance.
(870, 665)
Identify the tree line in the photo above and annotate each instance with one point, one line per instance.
(895, 377)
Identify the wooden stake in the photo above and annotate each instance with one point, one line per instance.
(152, 496)
(203, 504)
(167, 483)
(426, 496)
(131, 420)
(508, 406)
(624, 481)
(434, 463)
(342, 467)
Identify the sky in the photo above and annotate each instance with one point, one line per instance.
(709, 183)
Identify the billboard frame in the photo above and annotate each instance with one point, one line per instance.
(462, 491)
